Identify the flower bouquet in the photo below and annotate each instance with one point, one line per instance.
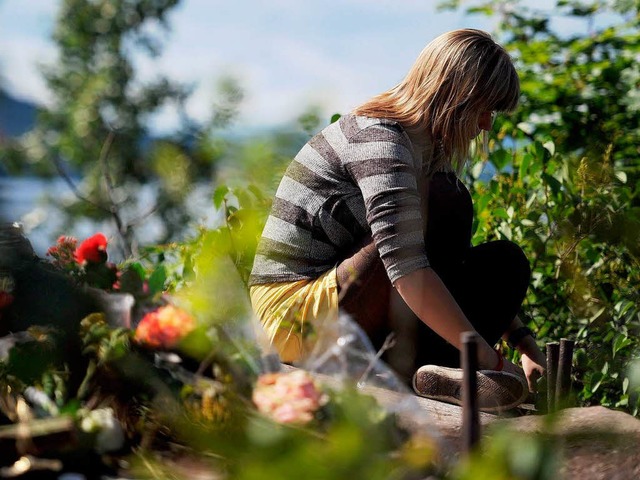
(182, 378)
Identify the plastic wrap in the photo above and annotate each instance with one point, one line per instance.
(344, 354)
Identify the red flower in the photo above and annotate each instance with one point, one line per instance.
(164, 327)
(6, 291)
(92, 250)
(6, 299)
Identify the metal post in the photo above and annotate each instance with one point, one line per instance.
(470, 412)
(553, 353)
(563, 382)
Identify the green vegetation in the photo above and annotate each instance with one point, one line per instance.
(561, 179)
(566, 184)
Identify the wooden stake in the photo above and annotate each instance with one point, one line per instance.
(563, 382)
(553, 353)
(470, 412)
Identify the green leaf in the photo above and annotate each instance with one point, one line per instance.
(244, 198)
(197, 344)
(137, 268)
(500, 158)
(553, 183)
(485, 10)
(501, 213)
(623, 402)
(596, 381)
(335, 117)
(620, 343)
(219, 195)
(476, 170)
(524, 166)
(550, 147)
(482, 202)
(540, 150)
(157, 280)
(622, 176)
(256, 192)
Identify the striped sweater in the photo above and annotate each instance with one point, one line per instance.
(356, 177)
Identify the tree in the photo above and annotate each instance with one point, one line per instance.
(96, 126)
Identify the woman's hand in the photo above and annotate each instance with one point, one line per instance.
(512, 368)
(534, 361)
(534, 369)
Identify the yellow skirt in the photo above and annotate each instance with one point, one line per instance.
(293, 313)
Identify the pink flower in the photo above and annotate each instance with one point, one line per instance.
(291, 397)
(164, 327)
(92, 250)
(63, 252)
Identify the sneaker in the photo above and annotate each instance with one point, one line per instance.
(497, 391)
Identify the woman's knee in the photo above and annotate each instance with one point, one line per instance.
(502, 254)
(515, 256)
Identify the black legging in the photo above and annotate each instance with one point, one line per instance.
(488, 281)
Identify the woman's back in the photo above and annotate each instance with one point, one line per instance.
(356, 177)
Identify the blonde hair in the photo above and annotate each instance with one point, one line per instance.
(457, 77)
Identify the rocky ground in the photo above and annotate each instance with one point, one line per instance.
(595, 443)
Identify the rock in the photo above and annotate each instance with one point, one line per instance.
(578, 421)
(597, 443)
(43, 297)
(46, 297)
(15, 248)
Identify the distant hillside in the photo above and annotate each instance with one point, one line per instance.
(16, 116)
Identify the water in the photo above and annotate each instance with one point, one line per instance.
(27, 200)
(24, 200)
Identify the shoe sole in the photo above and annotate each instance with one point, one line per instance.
(496, 391)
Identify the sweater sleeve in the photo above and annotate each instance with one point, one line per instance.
(380, 160)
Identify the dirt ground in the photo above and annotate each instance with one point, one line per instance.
(595, 443)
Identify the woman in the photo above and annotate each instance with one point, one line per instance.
(370, 210)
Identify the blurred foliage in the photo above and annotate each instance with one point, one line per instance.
(95, 132)
(188, 407)
(578, 66)
(96, 127)
(512, 455)
(562, 181)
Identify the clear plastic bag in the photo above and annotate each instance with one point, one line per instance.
(344, 355)
(344, 352)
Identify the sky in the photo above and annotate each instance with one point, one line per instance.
(286, 54)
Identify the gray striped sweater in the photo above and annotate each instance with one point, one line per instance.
(356, 177)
